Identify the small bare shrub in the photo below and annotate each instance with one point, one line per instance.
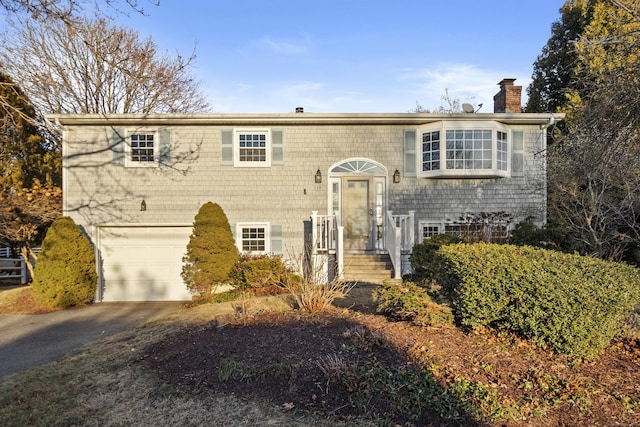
(313, 291)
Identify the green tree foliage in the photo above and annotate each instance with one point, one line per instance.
(211, 251)
(26, 157)
(589, 70)
(554, 69)
(594, 167)
(65, 274)
(30, 173)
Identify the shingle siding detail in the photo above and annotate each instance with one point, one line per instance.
(99, 192)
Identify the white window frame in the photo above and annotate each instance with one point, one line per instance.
(246, 225)
(128, 151)
(443, 127)
(456, 229)
(236, 147)
(433, 224)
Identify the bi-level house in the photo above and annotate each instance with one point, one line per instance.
(339, 185)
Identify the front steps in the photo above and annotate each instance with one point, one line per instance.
(368, 268)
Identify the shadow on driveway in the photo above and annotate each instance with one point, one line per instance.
(27, 341)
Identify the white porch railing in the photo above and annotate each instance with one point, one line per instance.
(327, 234)
(328, 237)
(399, 236)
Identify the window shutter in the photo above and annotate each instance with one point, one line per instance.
(277, 148)
(276, 238)
(517, 153)
(116, 145)
(234, 232)
(410, 152)
(226, 156)
(164, 146)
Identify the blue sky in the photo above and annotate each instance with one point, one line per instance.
(271, 56)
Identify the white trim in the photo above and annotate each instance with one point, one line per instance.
(267, 236)
(236, 148)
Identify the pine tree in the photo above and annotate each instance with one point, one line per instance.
(554, 69)
(211, 251)
(65, 274)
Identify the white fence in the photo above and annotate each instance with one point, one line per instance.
(12, 269)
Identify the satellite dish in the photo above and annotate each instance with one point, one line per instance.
(468, 108)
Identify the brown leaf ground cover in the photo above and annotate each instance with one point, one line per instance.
(351, 363)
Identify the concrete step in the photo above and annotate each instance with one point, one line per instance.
(368, 268)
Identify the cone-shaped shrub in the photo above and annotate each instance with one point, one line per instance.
(211, 252)
(65, 273)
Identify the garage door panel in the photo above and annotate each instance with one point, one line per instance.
(143, 263)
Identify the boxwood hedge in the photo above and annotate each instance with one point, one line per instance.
(572, 304)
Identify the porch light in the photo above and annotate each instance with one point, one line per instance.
(396, 177)
(143, 205)
(318, 177)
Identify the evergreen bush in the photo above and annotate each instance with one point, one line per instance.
(423, 259)
(211, 251)
(411, 302)
(260, 271)
(573, 304)
(65, 273)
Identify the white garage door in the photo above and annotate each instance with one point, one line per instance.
(143, 263)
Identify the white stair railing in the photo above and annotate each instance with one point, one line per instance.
(327, 234)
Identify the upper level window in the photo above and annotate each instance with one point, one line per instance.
(431, 151)
(468, 149)
(252, 147)
(142, 149)
(502, 151)
(465, 149)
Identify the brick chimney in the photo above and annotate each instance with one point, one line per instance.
(508, 100)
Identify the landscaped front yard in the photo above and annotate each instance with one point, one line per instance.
(345, 367)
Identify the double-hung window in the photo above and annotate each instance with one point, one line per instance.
(253, 237)
(141, 149)
(252, 148)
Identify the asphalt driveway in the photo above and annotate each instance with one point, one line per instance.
(27, 341)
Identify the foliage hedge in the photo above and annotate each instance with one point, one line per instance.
(569, 303)
(424, 255)
(65, 273)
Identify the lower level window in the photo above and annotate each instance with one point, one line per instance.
(253, 237)
(430, 230)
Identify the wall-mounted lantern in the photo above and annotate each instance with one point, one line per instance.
(318, 177)
(396, 177)
(143, 205)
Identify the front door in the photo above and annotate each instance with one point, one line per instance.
(358, 214)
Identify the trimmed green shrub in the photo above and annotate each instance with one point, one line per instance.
(424, 259)
(65, 273)
(570, 303)
(211, 251)
(260, 272)
(411, 302)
